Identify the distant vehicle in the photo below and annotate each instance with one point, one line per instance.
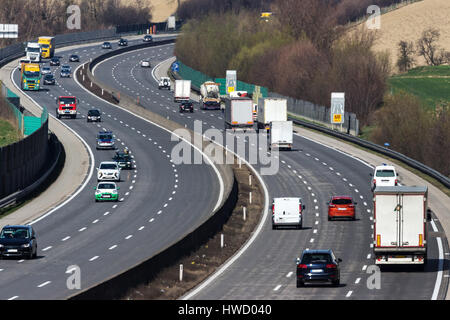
(210, 95)
(108, 170)
(49, 79)
(147, 38)
(55, 61)
(123, 159)
(23, 61)
(48, 47)
(400, 216)
(30, 76)
(18, 241)
(94, 115)
(46, 70)
(164, 83)
(287, 212)
(66, 106)
(187, 106)
(182, 90)
(271, 109)
(74, 58)
(238, 113)
(122, 42)
(105, 140)
(281, 135)
(106, 45)
(317, 266)
(65, 71)
(106, 191)
(384, 176)
(340, 207)
(33, 52)
(145, 64)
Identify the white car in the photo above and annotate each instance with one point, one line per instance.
(145, 64)
(287, 212)
(108, 170)
(164, 83)
(46, 70)
(384, 176)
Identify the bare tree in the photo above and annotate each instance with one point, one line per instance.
(427, 47)
(406, 51)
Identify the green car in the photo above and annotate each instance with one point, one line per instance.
(106, 191)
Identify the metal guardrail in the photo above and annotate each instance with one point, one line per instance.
(375, 147)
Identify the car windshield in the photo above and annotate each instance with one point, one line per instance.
(14, 233)
(106, 186)
(31, 74)
(316, 258)
(385, 173)
(49, 76)
(74, 56)
(33, 49)
(105, 136)
(46, 68)
(66, 100)
(108, 166)
(94, 113)
(65, 67)
(341, 201)
(45, 46)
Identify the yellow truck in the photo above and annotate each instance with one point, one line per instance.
(30, 76)
(48, 47)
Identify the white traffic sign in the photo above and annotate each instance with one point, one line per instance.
(231, 81)
(337, 107)
(9, 31)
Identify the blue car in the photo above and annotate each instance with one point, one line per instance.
(18, 241)
(318, 266)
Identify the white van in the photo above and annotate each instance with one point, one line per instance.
(384, 176)
(287, 212)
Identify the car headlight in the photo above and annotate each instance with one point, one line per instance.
(1, 246)
(114, 191)
(26, 245)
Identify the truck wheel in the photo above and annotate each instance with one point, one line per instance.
(336, 283)
(300, 284)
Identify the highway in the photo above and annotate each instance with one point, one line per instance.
(312, 171)
(159, 201)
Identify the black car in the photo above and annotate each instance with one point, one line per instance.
(74, 58)
(49, 79)
(123, 42)
(18, 241)
(54, 61)
(106, 45)
(94, 115)
(123, 159)
(318, 266)
(187, 106)
(147, 38)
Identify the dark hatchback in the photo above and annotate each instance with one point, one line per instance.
(74, 58)
(55, 61)
(49, 79)
(318, 266)
(18, 241)
(147, 38)
(187, 106)
(122, 42)
(124, 160)
(94, 115)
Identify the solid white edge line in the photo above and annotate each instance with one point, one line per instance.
(437, 285)
(79, 137)
(221, 183)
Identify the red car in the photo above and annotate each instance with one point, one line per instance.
(341, 207)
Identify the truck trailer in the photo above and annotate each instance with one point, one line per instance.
(210, 95)
(238, 113)
(271, 109)
(281, 135)
(400, 225)
(182, 90)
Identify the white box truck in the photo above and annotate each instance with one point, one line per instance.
(400, 225)
(287, 212)
(281, 135)
(238, 113)
(271, 109)
(182, 90)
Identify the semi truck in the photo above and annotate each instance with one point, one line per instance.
(48, 47)
(210, 95)
(238, 113)
(281, 135)
(400, 225)
(30, 76)
(33, 52)
(66, 106)
(182, 90)
(271, 109)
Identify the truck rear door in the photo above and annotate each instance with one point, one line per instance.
(242, 112)
(413, 224)
(287, 210)
(386, 220)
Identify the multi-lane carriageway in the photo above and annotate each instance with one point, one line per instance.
(103, 238)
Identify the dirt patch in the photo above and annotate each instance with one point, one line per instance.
(198, 265)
